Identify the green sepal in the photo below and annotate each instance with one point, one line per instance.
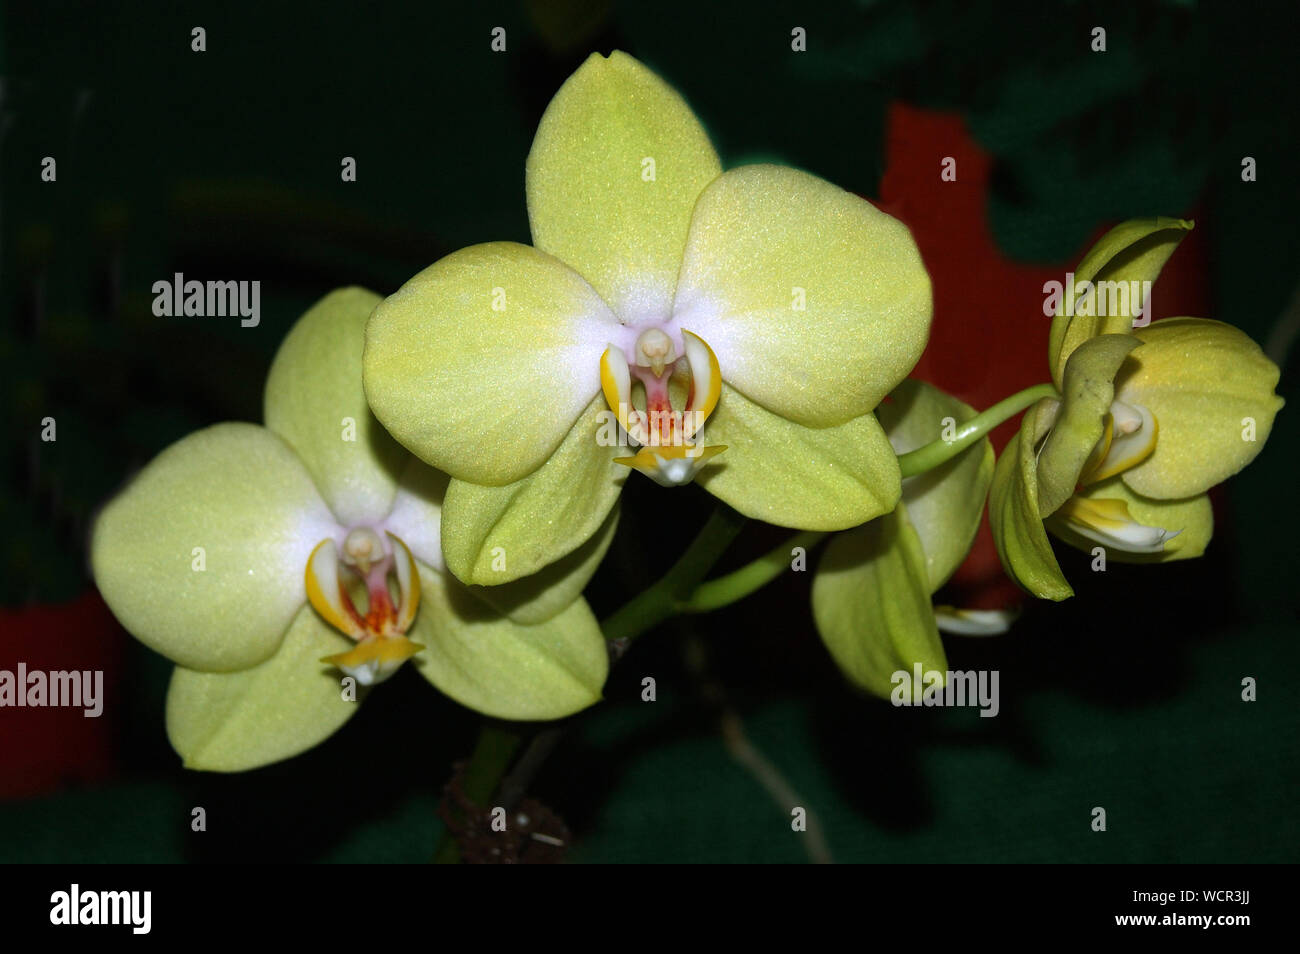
(1087, 394)
(494, 535)
(871, 604)
(790, 475)
(1018, 532)
(1133, 251)
(235, 721)
(944, 505)
(501, 668)
(536, 598)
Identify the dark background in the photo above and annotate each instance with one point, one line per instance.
(225, 164)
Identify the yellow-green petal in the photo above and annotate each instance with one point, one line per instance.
(501, 668)
(416, 516)
(794, 476)
(536, 598)
(944, 505)
(1133, 251)
(481, 363)
(871, 604)
(1087, 394)
(816, 303)
(235, 721)
(493, 535)
(1022, 543)
(202, 556)
(314, 400)
(1210, 388)
(1192, 518)
(615, 168)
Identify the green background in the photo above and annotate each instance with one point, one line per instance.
(226, 164)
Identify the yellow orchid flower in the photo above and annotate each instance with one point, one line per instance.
(272, 563)
(1149, 418)
(737, 327)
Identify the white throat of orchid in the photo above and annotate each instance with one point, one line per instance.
(366, 559)
(668, 454)
(1128, 439)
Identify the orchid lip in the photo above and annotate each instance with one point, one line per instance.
(380, 632)
(1129, 438)
(1108, 521)
(666, 434)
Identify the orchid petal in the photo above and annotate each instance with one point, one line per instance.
(816, 303)
(315, 402)
(1210, 388)
(615, 168)
(482, 363)
(958, 621)
(416, 516)
(202, 556)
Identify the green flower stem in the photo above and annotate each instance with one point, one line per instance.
(493, 751)
(665, 598)
(935, 453)
(726, 590)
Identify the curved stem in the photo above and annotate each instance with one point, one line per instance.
(726, 590)
(662, 599)
(935, 453)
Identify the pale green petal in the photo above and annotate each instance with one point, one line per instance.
(235, 721)
(816, 303)
(871, 604)
(1192, 518)
(536, 598)
(314, 400)
(487, 393)
(616, 166)
(1022, 542)
(501, 668)
(1133, 251)
(1211, 391)
(1086, 394)
(492, 535)
(234, 499)
(793, 476)
(944, 505)
(416, 516)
